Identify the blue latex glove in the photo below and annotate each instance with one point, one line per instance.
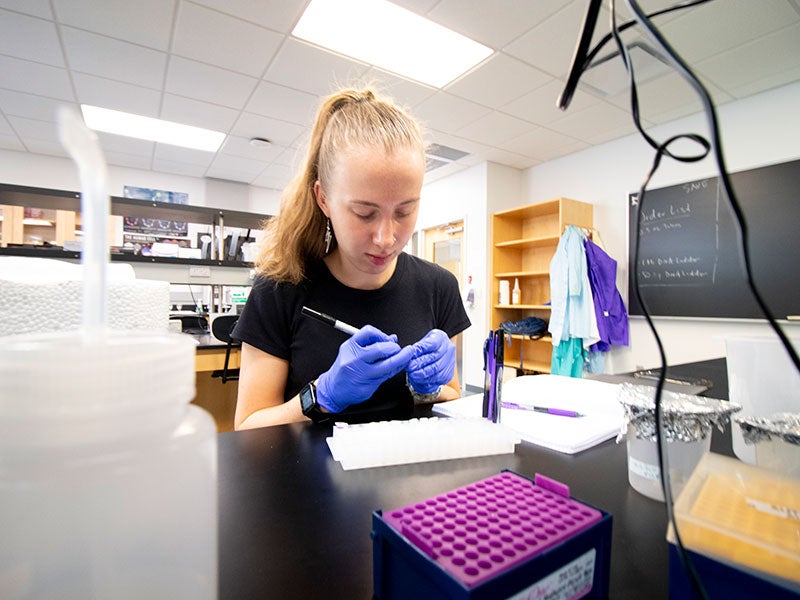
(433, 364)
(365, 361)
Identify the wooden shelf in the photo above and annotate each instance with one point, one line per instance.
(524, 241)
(539, 367)
(529, 242)
(522, 306)
(511, 274)
(547, 338)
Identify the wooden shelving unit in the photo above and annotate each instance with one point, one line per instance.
(523, 243)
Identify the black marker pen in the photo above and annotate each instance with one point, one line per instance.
(341, 326)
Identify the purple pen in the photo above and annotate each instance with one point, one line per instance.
(561, 412)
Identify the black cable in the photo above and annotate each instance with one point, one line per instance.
(590, 56)
(661, 150)
(716, 143)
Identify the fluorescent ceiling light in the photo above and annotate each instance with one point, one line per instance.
(390, 37)
(147, 128)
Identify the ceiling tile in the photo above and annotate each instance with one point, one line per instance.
(278, 132)
(200, 114)
(734, 67)
(42, 80)
(211, 84)
(5, 126)
(512, 159)
(596, 119)
(539, 106)
(322, 73)
(131, 161)
(239, 146)
(542, 143)
(458, 143)
(274, 177)
(116, 95)
(37, 8)
(10, 142)
(178, 168)
(550, 44)
(187, 156)
(273, 100)
(146, 22)
(403, 91)
(126, 145)
(29, 38)
(766, 83)
(292, 158)
(279, 15)
(209, 36)
(448, 113)
(32, 129)
(45, 147)
(28, 105)
(234, 169)
(498, 80)
(733, 22)
(494, 24)
(668, 95)
(494, 129)
(106, 57)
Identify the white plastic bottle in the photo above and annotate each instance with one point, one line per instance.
(107, 473)
(515, 293)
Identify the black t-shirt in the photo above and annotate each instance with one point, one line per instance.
(420, 296)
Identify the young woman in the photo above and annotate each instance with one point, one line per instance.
(336, 247)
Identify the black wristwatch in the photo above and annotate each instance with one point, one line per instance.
(308, 403)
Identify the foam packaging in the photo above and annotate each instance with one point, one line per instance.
(39, 295)
(501, 537)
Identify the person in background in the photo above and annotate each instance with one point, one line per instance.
(336, 246)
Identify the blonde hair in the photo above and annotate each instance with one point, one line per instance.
(347, 119)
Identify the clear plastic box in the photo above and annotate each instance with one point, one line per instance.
(743, 516)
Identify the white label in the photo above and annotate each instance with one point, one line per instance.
(573, 580)
(643, 469)
(784, 512)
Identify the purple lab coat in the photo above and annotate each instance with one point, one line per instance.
(612, 317)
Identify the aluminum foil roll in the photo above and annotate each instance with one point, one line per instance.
(685, 417)
(785, 426)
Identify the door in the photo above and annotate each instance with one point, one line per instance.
(444, 246)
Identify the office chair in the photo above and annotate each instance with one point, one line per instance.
(221, 328)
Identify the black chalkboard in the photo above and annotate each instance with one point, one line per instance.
(689, 262)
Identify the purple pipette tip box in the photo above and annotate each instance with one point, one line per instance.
(486, 538)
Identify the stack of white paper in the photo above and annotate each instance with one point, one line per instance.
(595, 400)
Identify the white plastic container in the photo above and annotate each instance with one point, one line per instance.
(644, 472)
(763, 380)
(107, 473)
(505, 292)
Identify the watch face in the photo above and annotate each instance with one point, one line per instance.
(306, 398)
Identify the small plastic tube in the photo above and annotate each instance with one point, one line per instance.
(84, 148)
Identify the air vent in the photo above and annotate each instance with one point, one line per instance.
(439, 155)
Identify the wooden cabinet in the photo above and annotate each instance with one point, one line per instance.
(523, 243)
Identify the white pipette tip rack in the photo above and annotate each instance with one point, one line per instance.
(384, 443)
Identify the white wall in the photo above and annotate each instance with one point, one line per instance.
(463, 196)
(38, 170)
(756, 131)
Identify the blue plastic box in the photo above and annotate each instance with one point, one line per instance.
(502, 537)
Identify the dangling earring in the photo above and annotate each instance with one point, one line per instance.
(328, 235)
